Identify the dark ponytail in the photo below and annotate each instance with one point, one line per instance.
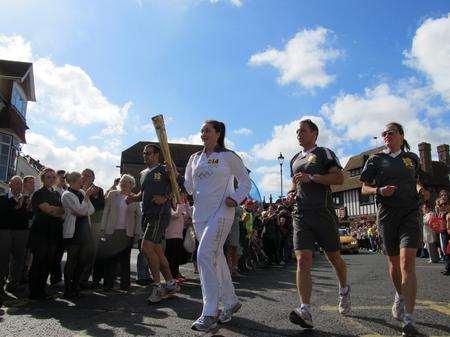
(220, 128)
(405, 146)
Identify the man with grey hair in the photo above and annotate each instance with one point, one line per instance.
(14, 217)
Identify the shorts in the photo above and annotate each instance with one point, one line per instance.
(233, 236)
(154, 227)
(316, 225)
(399, 228)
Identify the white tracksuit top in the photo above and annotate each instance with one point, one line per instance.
(210, 180)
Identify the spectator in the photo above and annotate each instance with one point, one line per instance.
(14, 232)
(429, 237)
(121, 222)
(56, 270)
(285, 227)
(232, 243)
(98, 201)
(28, 190)
(46, 232)
(113, 187)
(174, 251)
(271, 235)
(443, 211)
(76, 231)
(61, 184)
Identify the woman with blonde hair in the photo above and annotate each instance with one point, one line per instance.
(121, 223)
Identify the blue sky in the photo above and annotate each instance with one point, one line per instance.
(103, 68)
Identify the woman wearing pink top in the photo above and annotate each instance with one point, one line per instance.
(175, 253)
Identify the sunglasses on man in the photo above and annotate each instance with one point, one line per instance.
(389, 133)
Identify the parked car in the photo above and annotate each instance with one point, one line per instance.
(348, 243)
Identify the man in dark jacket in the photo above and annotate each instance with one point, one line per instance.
(14, 231)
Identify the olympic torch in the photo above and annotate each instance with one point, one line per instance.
(158, 123)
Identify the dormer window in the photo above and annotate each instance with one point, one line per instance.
(355, 172)
(19, 100)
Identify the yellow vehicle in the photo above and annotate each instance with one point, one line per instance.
(348, 242)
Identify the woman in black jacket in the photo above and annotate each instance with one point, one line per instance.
(46, 232)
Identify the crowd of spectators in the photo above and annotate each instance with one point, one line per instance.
(98, 230)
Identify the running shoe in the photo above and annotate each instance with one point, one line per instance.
(157, 295)
(226, 314)
(398, 309)
(172, 288)
(301, 317)
(408, 330)
(344, 302)
(205, 323)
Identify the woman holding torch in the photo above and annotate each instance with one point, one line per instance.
(209, 177)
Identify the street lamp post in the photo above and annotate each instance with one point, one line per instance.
(281, 160)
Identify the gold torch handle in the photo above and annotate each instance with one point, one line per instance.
(158, 122)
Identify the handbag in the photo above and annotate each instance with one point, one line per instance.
(189, 243)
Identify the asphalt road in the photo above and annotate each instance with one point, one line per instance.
(268, 295)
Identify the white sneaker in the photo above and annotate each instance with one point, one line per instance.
(226, 315)
(157, 295)
(205, 323)
(301, 317)
(398, 309)
(344, 302)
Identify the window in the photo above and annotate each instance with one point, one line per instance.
(5, 147)
(366, 199)
(9, 150)
(338, 199)
(355, 172)
(18, 99)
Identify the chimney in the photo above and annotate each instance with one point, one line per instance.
(443, 154)
(425, 157)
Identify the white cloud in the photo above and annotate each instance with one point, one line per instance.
(361, 117)
(365, 116)
(66, 92)
(65, 135)
(197, 140)
(66, 95)
(49, 154)
(15, 48)
(191, 139)
(430, 53)
(237, 3)
(184, 4)
(243, 131)
(269, 181)
(303, 61)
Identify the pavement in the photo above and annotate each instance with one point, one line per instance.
(268, 295)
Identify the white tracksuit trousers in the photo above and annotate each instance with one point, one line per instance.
(215, 275)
